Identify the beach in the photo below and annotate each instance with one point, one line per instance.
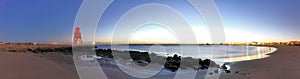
(18, 63)
(24, 64)
(282, 64)
(31, 66)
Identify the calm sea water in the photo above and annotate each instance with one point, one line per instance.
(219, 53)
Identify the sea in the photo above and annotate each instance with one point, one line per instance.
(218, 53)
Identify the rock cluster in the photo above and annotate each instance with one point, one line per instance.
(173, 63)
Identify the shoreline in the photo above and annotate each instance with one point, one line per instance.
(263, 55)
(260, 52)
(281, 64)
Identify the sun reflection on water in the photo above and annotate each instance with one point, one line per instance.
(261, 52)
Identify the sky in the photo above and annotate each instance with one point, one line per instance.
(49, 21)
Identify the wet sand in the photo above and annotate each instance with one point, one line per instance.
(282, 64)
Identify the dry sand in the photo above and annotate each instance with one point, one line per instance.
(282, 64)
(31, 66)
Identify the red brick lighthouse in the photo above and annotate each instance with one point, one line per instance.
(77, 40)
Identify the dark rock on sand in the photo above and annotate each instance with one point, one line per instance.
(205, 64)
(224, 67)
(173, 63)
(227, 71)
(236, 71)
(216, 71)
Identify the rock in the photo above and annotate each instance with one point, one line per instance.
(227, 71)
(236, 71)
(173, 63)
(211, 73)
(205, 64)
(224, 67)
(216, 71)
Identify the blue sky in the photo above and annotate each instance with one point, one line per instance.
(47, 21)
(37, 20)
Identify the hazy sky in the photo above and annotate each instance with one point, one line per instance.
(48, 21)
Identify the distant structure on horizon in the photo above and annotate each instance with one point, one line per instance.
(2, 43)
(77, 40)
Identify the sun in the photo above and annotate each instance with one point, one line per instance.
(235, 35)
(153, 33)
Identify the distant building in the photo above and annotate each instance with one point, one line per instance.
(77, 40)
(294, 43)
(2, 43)
(254, 43)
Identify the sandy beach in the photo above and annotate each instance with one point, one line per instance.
(31, 66)
(16, 62)
(282, 64)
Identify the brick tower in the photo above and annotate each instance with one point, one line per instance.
(77, 40)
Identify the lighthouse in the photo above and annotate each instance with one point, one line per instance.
(77, 40)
